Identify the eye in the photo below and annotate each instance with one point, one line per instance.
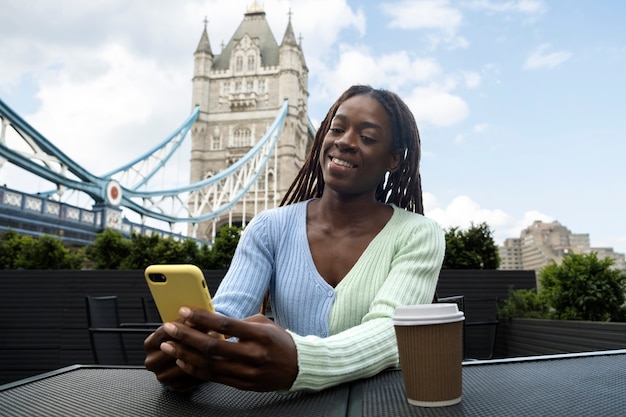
(335, 130)
(368, 140)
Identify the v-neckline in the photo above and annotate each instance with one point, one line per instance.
(319, 276)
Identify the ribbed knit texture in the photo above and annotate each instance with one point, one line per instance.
(399, 267)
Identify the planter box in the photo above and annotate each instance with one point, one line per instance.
(528, 337)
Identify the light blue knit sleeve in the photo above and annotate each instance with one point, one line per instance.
(241, 292)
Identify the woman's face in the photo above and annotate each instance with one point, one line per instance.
(356, 151)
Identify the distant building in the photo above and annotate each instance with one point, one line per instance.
(543, 243)
(240, 92)
(511, 254)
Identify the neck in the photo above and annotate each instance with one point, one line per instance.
(342, 212)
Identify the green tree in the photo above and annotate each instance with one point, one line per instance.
(204, 257)
(523, 303)
(169, 250)
(109, 249)
(143, 252)
(10, 246)
(46, 252)
(471, 249)
(224, 246)
(584, 288)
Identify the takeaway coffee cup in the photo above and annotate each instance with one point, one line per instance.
(430, 344)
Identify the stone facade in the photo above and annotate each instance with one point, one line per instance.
(239, 92)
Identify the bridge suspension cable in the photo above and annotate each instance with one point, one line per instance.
(129, 185)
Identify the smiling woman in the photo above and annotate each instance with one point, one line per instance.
(348, 246)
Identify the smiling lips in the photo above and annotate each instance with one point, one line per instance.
(342, 163)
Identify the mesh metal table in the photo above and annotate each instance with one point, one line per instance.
(592, 384)
(99, 391)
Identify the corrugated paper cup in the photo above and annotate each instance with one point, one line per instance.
(430, 344)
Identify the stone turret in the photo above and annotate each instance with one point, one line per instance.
(203, 61)
(240, 91)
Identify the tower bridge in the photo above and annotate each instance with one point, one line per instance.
(250, 133)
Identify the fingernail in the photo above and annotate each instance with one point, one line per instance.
(167, 348)
(184, 311)
(169, 328)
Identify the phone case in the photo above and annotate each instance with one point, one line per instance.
(174, 286)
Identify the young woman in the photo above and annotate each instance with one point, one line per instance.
(347, 246)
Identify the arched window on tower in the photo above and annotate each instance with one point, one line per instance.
(239, 63)
(241, 137)
(251, 62)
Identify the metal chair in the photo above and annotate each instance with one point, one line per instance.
(150, 311)
(482, 329)
(106, 332)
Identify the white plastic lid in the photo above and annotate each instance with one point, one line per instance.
(436, 313)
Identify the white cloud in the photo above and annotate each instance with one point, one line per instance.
(437, 106)
(96, 119)
(530, 7)
(541, 58)
(437, 16)
(425, 14)
(471, 79)
(480, 127)
(356, 64)
(463, 211)
(123, 85)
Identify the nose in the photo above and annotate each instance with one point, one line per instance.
(347, 141)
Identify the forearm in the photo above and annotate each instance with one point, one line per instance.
(359, 352)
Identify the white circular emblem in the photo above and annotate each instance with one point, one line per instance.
(114, 192)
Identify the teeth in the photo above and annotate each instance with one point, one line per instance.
(342, 163)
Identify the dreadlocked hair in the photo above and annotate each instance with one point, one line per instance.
(402, 187)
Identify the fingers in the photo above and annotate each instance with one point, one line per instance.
(264, 358)
(222, 324)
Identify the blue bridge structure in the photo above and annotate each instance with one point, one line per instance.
(128, 188)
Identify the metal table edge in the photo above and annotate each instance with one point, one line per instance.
(63, 370)
(545, 357)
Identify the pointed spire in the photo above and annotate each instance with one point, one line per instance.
(204, 45)
(290, 37)
(255, 8)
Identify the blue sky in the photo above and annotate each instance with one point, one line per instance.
(520, 103)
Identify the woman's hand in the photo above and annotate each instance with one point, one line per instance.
(263, 359)
(163, 365)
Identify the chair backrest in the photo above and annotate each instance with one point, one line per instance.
(459, 300)
(102, 311)
(150, 311)
(107, 348)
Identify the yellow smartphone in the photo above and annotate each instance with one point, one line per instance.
(173, 286)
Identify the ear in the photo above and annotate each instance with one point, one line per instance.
(394, 161)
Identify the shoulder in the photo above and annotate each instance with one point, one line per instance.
(276, 220)
(402, 218)
(408, 226)
(283, 213)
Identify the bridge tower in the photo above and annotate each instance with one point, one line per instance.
(240, 91)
